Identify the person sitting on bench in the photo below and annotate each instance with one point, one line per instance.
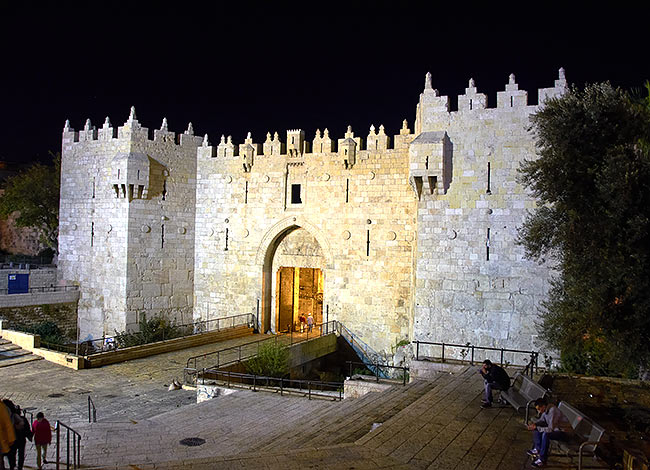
(495, 379)
(551, 425)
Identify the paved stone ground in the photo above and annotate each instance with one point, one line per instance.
(435, 424)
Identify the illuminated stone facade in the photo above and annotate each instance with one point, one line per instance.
(410, 236)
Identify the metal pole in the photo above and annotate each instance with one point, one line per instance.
(58, 439)
(89, 408)
(309, 386)
(443, 352)
(472, 360)
(417, 350)
(501, 357)
(67, 447)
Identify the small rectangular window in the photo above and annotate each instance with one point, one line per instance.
(295, 194)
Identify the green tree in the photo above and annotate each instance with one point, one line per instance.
(34, 194)
(592, 183)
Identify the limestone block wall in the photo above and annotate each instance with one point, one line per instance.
(362, 217)
(63, 314)
(118, 189)
(472, 281)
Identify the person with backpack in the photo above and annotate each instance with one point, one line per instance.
(22, 431)
(42, 438)
(7, 434)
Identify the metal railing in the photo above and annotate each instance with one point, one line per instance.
(32, 290)
(369, 356)
(92, 411)
(307, 388)
(72, 459)
(112, 343)
(378, 371)
(222, 357)
(531, 362)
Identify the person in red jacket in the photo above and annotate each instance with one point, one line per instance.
(42, 438)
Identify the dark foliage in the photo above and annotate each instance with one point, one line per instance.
(592, 182)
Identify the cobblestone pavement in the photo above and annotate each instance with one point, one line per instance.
(434, 424)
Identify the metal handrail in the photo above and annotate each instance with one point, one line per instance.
(377, 367)
(191, 367)
(308, 388)
(32, 290)
(534, 355)
(92, 417)
(365, 352)
(76, 446)
(109, 343)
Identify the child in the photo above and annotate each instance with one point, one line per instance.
(42, 437)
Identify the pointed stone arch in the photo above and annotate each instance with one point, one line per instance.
(266, 252)
(270, 240)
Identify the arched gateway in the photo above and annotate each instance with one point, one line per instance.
(294, 256)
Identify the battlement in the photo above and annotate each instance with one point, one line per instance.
(132, 130)
(433, 110)
(296, 145)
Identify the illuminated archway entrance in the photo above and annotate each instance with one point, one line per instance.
(294, 256)
(299, 293)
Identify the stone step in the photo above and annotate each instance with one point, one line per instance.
(8, 346)
(20, 360)
(11, 353)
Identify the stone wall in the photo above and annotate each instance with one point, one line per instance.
(127, 223)
(64, 315)
(45, 277)
(415, 234)
(355, 221)
(472, 280)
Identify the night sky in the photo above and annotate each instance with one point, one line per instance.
(276, 68)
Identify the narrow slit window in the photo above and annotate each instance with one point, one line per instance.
(512, 101)
(164, 191)
(367, 242)
(162, 236)
(489, 175)
(93, 188)
(487, 245)
(347, 190)
(226, 249)
(426, 163)
(295, 194)
(92, 234)
(246, 193)
(470, 104)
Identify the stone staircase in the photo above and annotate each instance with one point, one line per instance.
(11, 355)
(243, 422)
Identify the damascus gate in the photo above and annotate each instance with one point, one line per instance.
(400, 234)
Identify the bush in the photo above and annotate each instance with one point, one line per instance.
(48, 331)
(271, 361)
(151, 331)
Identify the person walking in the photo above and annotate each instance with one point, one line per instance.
(7, 434)
(42, 438)
(310, 323)
(22, 431)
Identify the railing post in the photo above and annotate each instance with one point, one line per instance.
(472, 359)
(417, 350)
(254, 376)
(501, 357)
(89, 408)
(309, 386)
(281, 385)
(443, 352)
(58, 443)
(377, 371)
